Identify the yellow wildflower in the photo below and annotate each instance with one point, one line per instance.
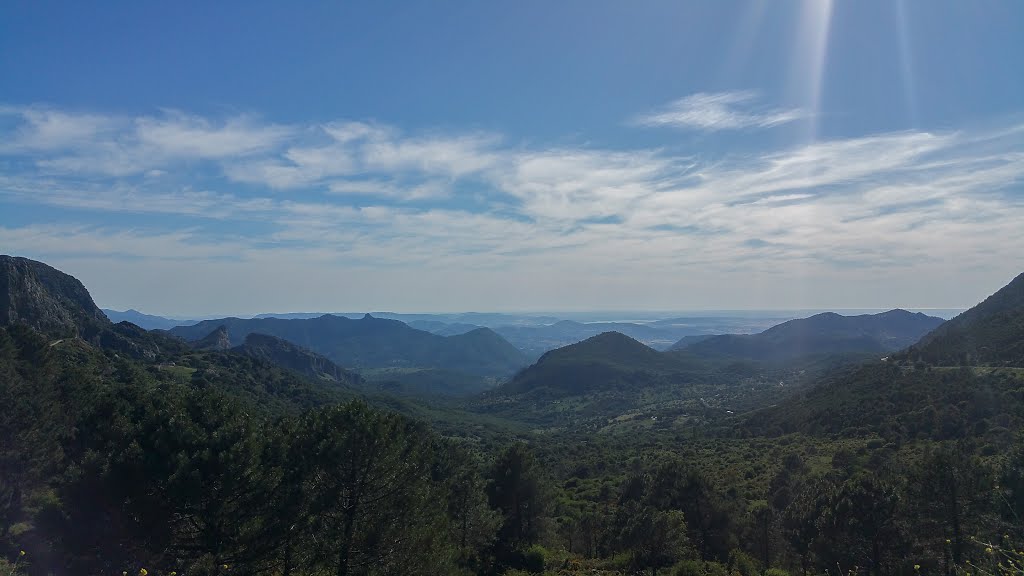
(988, 550)
(22, 553)
(948, 541)
(224, 566)
(143, 572)
(917, 566)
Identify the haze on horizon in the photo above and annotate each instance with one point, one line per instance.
(231, 159)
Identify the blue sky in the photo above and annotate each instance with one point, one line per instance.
(238, 157)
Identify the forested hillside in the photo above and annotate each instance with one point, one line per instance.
(604, 458)
(991, 333)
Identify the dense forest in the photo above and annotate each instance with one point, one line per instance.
(141, 455)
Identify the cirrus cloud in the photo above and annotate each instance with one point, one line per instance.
(475, 216)
(711, 112)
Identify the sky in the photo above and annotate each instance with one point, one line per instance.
(215, 158)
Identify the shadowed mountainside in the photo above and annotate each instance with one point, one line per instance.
(991, 333)
(821, 334)
(371, 342)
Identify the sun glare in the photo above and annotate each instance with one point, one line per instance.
(811, 56)
(906, 61)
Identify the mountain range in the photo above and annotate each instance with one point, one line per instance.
(147, 321)
(532, 334)
(603, 375)
(821, 334)
(371, 342)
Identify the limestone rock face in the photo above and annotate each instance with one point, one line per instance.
(216, 340)
(47, 299)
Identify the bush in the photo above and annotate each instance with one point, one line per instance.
(775, 572)
(741, 562)
(699, 568)
(688, 568)
(533, 559)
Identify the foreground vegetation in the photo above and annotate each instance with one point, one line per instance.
(125, 451)
(221, 463)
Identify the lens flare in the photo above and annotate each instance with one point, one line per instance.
(811, 57)
(906, 61)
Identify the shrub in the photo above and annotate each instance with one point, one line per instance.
(688, 568)
(533, 559)
(741, 562)
(699, 568)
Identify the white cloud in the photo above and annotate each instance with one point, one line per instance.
(468, 214)
(178, 135)
(44, 129)
(719, 111)
(117, 146)
(358, 153)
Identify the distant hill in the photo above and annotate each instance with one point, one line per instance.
(612, 376)
(535, 340)
(822, 334)
(991, 333)
(608, 360)
(686, 341)
(371, 342)
(287, 355)
(442, 328)
(147, 321)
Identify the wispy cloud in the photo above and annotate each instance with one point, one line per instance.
(63, 142)
(525, 224)
(711, 112)
(348, 154)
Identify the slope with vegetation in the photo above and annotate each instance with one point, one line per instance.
(961, 379)
(211, 462)
(991, 333)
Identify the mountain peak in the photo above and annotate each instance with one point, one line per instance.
(47, 299)
(607, 346)
(216, 340)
